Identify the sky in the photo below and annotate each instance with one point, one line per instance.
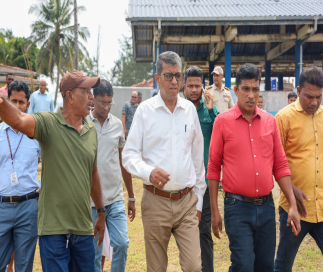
(108, 14)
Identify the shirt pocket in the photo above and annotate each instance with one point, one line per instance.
(187, 137)
(267, 145)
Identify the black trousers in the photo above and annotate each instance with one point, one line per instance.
(206, 240)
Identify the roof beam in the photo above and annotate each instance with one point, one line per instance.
(257, 38)
(290, 65)
(231, 33)
(304, 31)
(279, 49)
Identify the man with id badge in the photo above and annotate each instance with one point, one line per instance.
(18, 185)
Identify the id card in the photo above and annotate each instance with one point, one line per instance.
(14, 179)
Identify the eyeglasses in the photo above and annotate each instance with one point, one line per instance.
(134, 96)
(106, 104)
(169, 76)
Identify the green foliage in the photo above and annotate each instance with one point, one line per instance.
(54, 33)
(126, 72)
(15, 51)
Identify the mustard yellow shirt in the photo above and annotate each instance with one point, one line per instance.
(302, 138)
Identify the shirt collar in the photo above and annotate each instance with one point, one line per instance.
(62, 120)
(299, 108)
(238, 112)
(92, 118)
(41, 93)
(5, 126)
(159, 102)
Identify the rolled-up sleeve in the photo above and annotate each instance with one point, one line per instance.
(132, 153)
(216, 151)
(280, 168)
(198, 161)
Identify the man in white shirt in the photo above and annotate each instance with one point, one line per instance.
(165, 149)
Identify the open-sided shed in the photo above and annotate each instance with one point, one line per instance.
(279, 36)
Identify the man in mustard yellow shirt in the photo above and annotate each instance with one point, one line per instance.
(301, 132)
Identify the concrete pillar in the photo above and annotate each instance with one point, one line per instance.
(227, 64)
(203, 80)
(297, 61)
(211, 67)
(268, 75)
(280, 82)
(154, 65)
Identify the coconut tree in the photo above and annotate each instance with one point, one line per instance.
(54, 34)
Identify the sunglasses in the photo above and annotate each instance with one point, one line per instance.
(170, 76)
(106, 104)
(134, 96)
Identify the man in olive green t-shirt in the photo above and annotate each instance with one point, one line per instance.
(68, 144)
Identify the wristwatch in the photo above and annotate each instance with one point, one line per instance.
(132, 198)
(100, 210)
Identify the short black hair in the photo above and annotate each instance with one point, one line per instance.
(19, 86)
(311, 75)
(193, 72)
(105, 88)
(291, 94)
(139, 94)
(248, 71)
(260, 96)
(9, 74)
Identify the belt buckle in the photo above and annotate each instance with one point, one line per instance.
(257, 201)
(12, 201)
(170, 195)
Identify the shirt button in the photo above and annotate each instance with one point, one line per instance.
(251, 140)
(316, 199)
(317, 171)
(316, 185)
(255, 156)
(249, 125)
(317, 145)
(257, 190)
(257, 174)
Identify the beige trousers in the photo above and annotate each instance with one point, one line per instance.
(162, 217)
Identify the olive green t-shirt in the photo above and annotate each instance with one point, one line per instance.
(68, 158)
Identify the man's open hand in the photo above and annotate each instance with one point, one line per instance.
(99, 227)
(131, 210)
(158, 178)
(217, 224)
(300, 196)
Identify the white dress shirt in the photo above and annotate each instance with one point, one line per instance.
(170, 141)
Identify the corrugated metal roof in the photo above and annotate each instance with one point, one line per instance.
(229, 9)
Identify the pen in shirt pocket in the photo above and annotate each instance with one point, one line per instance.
(185, 127)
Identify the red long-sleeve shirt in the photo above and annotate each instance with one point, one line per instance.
(250, 153)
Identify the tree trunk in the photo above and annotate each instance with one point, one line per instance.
(76, 47)
(58, 70)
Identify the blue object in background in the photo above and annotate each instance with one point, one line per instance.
(274, 84)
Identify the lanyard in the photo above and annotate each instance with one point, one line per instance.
(12, 157)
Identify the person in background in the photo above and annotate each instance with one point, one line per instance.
(9, 79)
(301, 132)
(111, 141)
(165, 149)
(246, 141)
(260, 102)
(18, 185)
(68, 143)
(139, 98)
(41, 100)
(291, 97)
(221, 95)
(128, 111)
(206, 111)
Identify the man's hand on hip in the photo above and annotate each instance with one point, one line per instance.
(216, 224)
(158, 178)
(99, 227)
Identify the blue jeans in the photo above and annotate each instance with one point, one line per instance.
(18, 231)
(55, 257)
(116, 220)
(252, 234)
(289, 243)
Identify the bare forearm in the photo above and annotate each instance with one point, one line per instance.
(286, 186)
(10, 114)
(128, 182)
(213, 189)
(96, 193)
(124, 121)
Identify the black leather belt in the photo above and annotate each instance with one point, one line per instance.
(17, 199)
(254, 200)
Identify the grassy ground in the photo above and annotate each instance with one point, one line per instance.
(309, 257)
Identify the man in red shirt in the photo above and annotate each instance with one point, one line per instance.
(9, 79)
(246, 141)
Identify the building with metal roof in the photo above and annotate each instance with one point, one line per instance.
(279, 36)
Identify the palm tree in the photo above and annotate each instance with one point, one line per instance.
(54, 33)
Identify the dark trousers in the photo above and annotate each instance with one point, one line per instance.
(289, 243)
(206, 240)
(251, 230)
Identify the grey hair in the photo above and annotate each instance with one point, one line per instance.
(168, 57)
